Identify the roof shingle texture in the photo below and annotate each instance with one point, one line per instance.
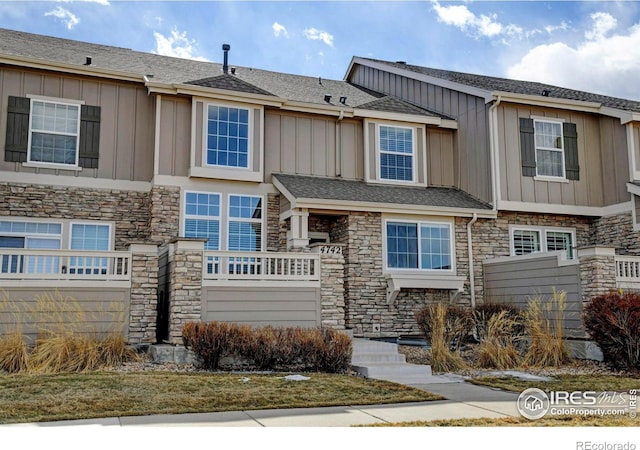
(490, 84)
(166, 69)
(305, 187)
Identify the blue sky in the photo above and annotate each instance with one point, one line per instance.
(588, 45)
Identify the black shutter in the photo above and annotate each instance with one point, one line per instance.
(89, 136)
(15, 149)
(527, 147)
(572, 167)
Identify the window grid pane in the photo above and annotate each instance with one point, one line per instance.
(245, 223)
(54, 133)
(436, 247)
(228, 136)
(202, 218)
(549, 148)
(526, 241)
(396, 153)
(559, 240)
(402, 245)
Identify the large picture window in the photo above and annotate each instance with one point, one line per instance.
(53, 133)
(533, 240)
(419, 245)
(396, 153)
(227, 137)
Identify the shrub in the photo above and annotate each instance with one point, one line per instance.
(458, 323)
(613, 321)
(544, 323)
(497, 347)
(270, 347)
(441, 324)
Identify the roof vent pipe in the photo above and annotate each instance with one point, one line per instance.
(225, 64)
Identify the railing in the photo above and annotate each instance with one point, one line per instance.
(22, 264)
(628, 271)
(265, 266)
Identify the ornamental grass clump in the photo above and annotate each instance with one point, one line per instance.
(433, 321)
(544, 324)
(497, 349)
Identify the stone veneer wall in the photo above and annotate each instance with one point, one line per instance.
(332, 308)
(143, 311)
(616, 232)
(597, 272)
(185, 303)
(164, 221)
(129, 210)
(273, 223)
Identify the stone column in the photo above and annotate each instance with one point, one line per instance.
(185, 290)
(597, 271)
(332, 306)
(144, 293)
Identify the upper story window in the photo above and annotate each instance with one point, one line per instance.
(53, 133)
(533, 240)
(228, 137)
(549, 148)
(419, 245)
(396, 153)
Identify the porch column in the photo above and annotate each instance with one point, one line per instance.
(144, 293)
(299, 229)
(185, 290)
(332, 305)
(597, 271)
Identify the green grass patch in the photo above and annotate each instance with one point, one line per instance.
(37, 398)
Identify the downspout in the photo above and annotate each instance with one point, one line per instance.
(472, 288)
(338, 159)
(493, 142)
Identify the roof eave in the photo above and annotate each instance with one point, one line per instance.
(213, 93)
(316, 108)
(553, 102)
(34, 63)
(402, 117)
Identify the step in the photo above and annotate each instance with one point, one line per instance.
(375, 358)
(397, 369)
(365, 346)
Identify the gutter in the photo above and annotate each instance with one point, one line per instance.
(472, 288)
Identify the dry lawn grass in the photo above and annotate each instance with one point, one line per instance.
(35, 398)
(560, 421)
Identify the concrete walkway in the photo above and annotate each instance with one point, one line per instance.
(464, 400)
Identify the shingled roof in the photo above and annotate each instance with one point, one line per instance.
(170, 70)
(490, 84)
(305, 187)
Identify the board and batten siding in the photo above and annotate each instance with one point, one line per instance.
(636, 145)
(602, 156)
(127, 121)
(175, 136)
(276, 306)
(517, 281)
(471, 156)
(322, 146)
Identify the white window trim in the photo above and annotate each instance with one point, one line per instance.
(413, 155)
(261, 221)
(184, 216)
(205, 132)
(418, 270)
(57, 101)
(561, 150)
(88, 222)
(543, 237)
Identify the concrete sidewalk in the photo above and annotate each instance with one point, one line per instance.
(464, 400)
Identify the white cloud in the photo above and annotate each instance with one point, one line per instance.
(477, 26)
(69, 19)
(177, 44)
(318, 35)
(100, 2)
(602, 24)
(279, 30)
(603, 64)
(551, 28)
